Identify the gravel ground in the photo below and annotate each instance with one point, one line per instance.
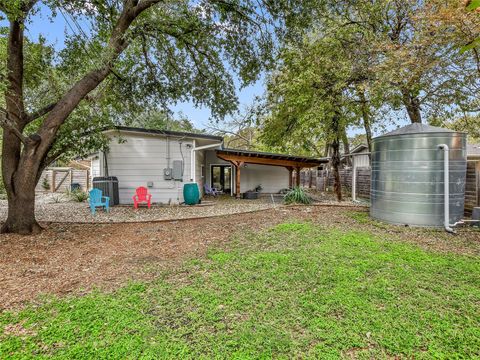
(59, 208)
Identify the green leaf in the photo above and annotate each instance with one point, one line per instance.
(474, 4)
(470, 45)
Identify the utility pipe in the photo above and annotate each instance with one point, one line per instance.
(192, 158)
(354, 174)
(168, 152)
(446, 188)
(354, 179)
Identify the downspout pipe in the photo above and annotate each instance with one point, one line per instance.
(192, 155)
(446, 187)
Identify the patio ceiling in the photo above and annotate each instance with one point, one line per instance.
(264, 158)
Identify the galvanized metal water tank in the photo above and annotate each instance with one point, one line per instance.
(407, 175)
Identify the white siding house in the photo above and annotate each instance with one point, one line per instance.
(360, 154)
(139, 157)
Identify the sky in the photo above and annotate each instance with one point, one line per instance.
(55, 29)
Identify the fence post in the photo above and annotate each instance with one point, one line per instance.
(52, 186)
(354, 179)
(87, 184)
(477, 177)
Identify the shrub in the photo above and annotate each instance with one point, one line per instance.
(45, 184)
(57, 198)
(78, 195)
(297, 196)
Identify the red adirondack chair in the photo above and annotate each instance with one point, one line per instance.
(141, 196)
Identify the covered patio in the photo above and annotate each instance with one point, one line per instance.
(239, 158)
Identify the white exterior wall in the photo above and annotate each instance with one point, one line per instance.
(95, 167)
(141, 158)
(361, 161)
(272, 178)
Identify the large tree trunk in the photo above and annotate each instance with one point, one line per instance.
(412, 104)
(346, 147)
(20, 176)
(337, 135)
(24, 157)
(337, 187)
(21, 212)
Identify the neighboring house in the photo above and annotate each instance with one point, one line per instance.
(473, 152)
(361, 157)
(359, 152)
(165, 160)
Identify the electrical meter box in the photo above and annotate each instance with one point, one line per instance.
(167, 174)
(177, 170)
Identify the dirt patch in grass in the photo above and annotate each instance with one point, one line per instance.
(70, 258)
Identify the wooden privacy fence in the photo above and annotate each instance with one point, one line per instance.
(323, 180)
(60, 179)
(472, 186)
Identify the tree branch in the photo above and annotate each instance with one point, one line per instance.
(7, 124)
(40, 112)
(70, 100)
(14, 92)
(25, 7)
(144, 5)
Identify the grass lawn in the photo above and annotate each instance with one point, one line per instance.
(294, 291)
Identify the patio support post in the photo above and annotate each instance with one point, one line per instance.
(297, 179)
(290, 176)
(238, 165)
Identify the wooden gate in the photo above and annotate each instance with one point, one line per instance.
(60, 179)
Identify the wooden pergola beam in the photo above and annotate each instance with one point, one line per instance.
(267, 161)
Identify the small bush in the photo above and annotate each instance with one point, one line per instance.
(297, 196)
(45, 184)
(57, 198)
(78, 195)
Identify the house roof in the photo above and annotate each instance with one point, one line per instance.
(266, 158)
(359, 148)
(168, 133)
(356, 150)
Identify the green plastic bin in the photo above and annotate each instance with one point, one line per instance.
(191, 194)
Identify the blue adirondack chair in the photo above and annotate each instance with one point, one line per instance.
(211, 191)
(97, 200)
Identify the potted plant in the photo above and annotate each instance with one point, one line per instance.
(253, 194)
